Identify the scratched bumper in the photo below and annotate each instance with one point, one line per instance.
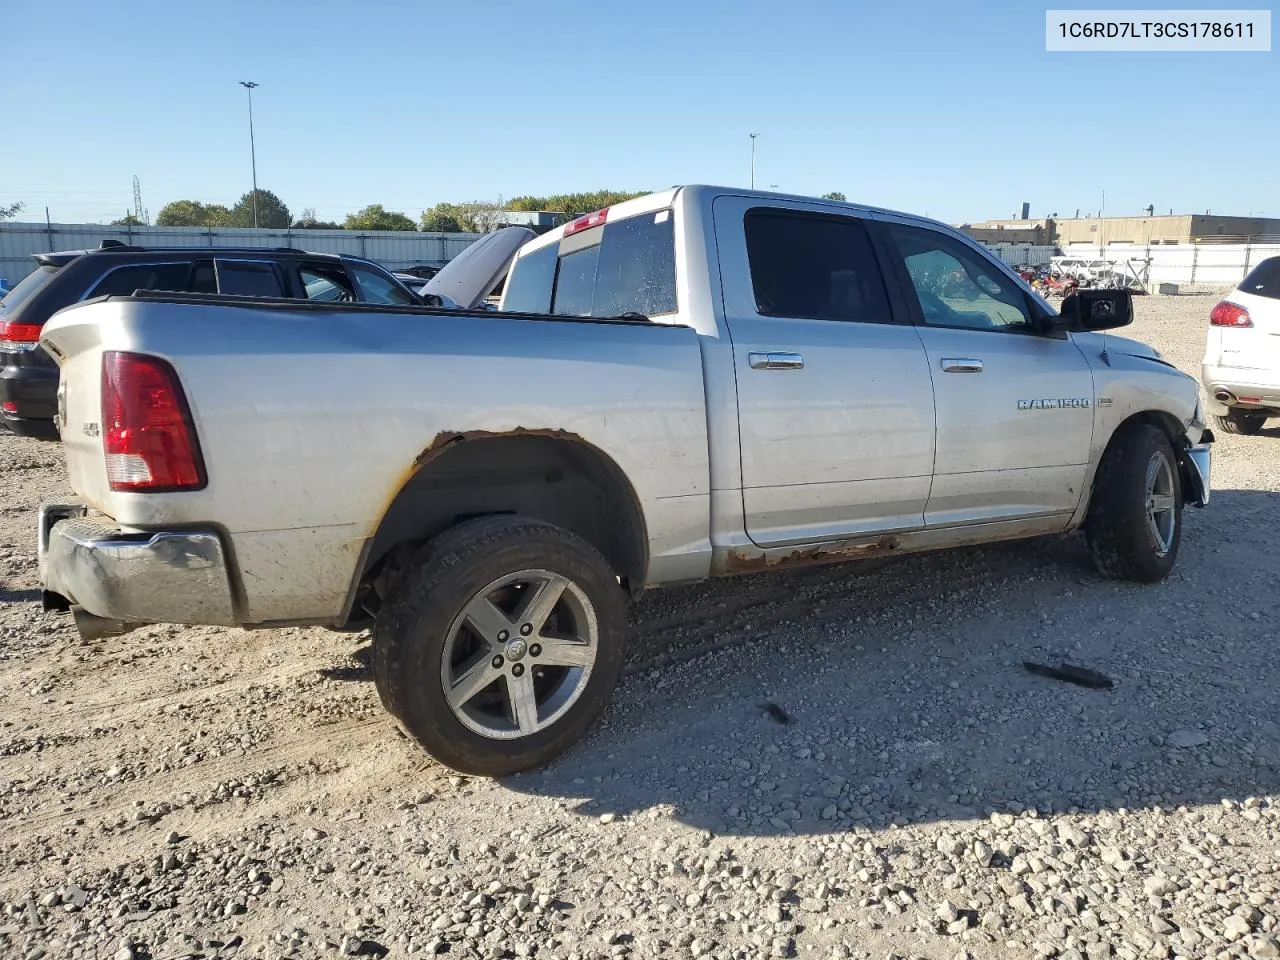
(153, 577)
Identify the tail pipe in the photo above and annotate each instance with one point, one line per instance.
(1223, 395)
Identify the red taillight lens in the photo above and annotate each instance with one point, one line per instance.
(148, 437)
(1229, 315)
(586, 222)
(18, 336)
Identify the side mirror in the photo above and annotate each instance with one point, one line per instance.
(1097, 309)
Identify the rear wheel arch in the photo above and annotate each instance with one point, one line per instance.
(558, 478)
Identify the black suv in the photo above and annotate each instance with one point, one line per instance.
(29, 376)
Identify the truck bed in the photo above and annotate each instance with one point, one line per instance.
(312, 417)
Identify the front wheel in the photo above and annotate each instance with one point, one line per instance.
(1247, 422)
(501, 644)
(1135, 518)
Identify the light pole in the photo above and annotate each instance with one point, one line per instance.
(253, 156)
(753, 159)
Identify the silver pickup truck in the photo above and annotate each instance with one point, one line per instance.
(701, 382)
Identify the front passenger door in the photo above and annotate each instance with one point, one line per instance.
(1014, 408)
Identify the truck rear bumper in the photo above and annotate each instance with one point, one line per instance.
(178, 576)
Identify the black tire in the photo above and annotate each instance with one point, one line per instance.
(413, 627)
(1246, 422)
(1117, 529)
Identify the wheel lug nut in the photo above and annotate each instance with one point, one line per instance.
(535, 650)
(517, 670)
(526, 629)
(497, 662)
(502, 636)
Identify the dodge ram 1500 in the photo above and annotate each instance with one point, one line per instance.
(701, 382)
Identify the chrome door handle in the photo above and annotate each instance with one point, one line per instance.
(775, 361)
(961, 365)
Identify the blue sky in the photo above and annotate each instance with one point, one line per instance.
(944, 108)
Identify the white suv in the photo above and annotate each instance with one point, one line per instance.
(1241, 371)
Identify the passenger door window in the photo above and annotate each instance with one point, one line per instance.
(326, 283)
(376, 287)
(249, 278)
(957, 287)
(814, 266)
(123, 281)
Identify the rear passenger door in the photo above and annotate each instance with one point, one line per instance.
(835, 403)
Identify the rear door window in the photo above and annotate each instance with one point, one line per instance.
(1262, 281)
(626, 266)
(249, 278)
(123, 281)
(814, 266)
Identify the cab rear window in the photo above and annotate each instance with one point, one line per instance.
(625, 266)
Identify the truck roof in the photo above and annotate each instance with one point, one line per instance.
(665, 198)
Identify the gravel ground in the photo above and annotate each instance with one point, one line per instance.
(910, 792)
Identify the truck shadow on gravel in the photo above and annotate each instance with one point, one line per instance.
(862, 695)
(12, 594)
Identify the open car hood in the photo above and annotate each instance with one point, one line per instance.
(474, 273)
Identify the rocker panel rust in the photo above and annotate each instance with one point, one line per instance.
(738, 560)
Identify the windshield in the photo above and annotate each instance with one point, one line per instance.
(29, 284)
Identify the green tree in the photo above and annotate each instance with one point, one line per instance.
(128, 220)
(308, 221)
(193, 213)
(12, 210)
(374, 217)
(475, 216)
(437, 222)
(574, 203)
(272, 212)
(835, 195)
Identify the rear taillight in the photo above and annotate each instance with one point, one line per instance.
(1227, 314)
(586, 222)
(18, 336)
(148, 437)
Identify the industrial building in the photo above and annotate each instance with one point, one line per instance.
(1142, 230)
(1176, 228)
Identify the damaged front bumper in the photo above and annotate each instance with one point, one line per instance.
(1197, 467)
(115, 579)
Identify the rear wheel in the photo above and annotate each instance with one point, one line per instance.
(1247, 422)
(501, 645)
(1135, 518)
